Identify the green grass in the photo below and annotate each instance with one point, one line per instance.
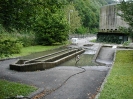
(11, 89)
(94, 41)
(120, 81)
(32, 49)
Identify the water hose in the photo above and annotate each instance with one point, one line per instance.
(47, 92)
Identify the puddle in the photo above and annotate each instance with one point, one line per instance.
(85, 60)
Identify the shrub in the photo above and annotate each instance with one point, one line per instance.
(28, 39)
(81, 30)
(109, 38)
(126, 43)
(9, 46)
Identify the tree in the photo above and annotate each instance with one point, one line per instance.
(17, 14)
(45, 17)
(89, 12)
(73, 18)
(126, 8)
(52, 26)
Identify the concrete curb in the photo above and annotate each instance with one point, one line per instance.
(33, 94)
(98, 50)
(9, 58)
(105, 80)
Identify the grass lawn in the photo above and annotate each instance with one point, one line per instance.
(119, 83)
(32, 49)
(11, 89)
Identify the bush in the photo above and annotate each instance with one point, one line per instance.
(81, 30)
(109, 38)
(28, 39)
(126, 43)
(9, 46)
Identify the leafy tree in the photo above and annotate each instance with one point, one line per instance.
(89, 12)
(9, 46)
(81, 30)
(126, 8)
(45, 17)
(51, 26)
(73, 18)
(16, 14)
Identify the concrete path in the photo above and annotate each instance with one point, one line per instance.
(81, 86)
(106, 55)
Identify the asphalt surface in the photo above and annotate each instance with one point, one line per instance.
(83, 85)
(80, 86)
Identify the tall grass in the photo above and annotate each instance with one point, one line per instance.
(26, 37)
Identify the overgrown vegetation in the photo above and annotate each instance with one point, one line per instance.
(126, 8)
(11, 89)
(46, 22)
(109, 38)
(120, 81)
(9, 45)
(126, 43)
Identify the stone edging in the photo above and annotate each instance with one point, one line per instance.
(9, 58)
(33, 94)
(105, 80)
(98, 50)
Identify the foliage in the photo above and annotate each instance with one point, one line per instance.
(94, 41)
(120, 81)
(126, 8)
(9, 46)
(109, 39)
(11, 89)
(45, 17)
(81, 30)
(52, 26)
(48, 19)
(89, 12)
(73, 17)
(16, 14)
(54, 30)
(126, 43)
(27, 38)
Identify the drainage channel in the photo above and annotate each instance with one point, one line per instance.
(46, 61)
